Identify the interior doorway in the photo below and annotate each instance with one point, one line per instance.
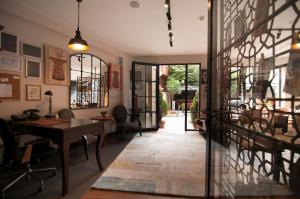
(179, 87)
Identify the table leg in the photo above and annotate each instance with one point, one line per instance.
(64, 155)
(276, 165)
(98, 151)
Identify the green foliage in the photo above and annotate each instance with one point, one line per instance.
(194, 107)
(178, 72)
(163, 105)
(173, 85)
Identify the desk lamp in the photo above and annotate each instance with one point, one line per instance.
(50, 94)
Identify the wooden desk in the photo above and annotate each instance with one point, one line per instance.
(63, 133)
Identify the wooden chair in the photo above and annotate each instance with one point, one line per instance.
(120, 115)
(253, 143)
(68, 114)
(8, 156)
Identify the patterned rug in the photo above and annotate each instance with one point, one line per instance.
(164, 162)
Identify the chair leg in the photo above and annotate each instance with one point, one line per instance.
(12, 183)
(85, 145)
(122, 130)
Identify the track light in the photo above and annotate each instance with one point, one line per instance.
(169, 16)
(171, 43)
(169, 27)
(167, 4)
(171, 35)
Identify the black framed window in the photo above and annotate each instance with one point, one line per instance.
(89, 82)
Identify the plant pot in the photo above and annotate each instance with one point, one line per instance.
(162, 124)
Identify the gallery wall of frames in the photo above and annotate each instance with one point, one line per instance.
(257, 57)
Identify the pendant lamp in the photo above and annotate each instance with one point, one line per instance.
(77, 43)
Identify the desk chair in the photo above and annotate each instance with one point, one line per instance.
(8, 156)
(120, 115)
(68, 114)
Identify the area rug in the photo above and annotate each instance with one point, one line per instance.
(164, 162)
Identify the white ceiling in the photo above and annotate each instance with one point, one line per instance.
(140, 31)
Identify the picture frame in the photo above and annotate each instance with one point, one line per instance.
(32, 69)
(31, 50)
(10, 63)
(33, 92)
(114, 77)
(8, 42)
(56, 68)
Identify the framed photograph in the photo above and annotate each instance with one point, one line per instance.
(33, 92)
(33, 69)
(8, 42)
(31, 50)
(57, 69)
(10, 63)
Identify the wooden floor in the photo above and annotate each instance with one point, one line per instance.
(104, 194)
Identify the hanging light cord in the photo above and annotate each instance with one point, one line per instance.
(78, 16)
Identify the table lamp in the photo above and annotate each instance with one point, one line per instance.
(50, 94)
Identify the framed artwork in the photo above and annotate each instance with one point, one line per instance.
(33, 92)
(114, 77)
(30, 50)
(10, 63)
(240, 27)
(8, 42)
(33, 69)
(261, 14)
(228, 35)
(57, 70)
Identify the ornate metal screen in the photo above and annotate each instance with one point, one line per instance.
(258, 61)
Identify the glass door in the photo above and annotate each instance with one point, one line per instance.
(145, 87)
(192, 96)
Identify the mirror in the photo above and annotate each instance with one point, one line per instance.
(89, 82)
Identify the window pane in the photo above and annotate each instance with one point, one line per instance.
(86, 63)
(75, 62)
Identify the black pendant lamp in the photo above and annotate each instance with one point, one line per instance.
(77, 43)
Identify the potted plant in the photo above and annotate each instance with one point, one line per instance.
(195, 111)
(163, 106)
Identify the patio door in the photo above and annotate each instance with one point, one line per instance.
(145, 93)
(192, 96)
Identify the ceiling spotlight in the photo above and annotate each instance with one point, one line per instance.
(134, 4)
(167, 4)
(169, 16)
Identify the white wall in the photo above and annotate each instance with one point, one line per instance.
(37, 34)
(180, 59)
